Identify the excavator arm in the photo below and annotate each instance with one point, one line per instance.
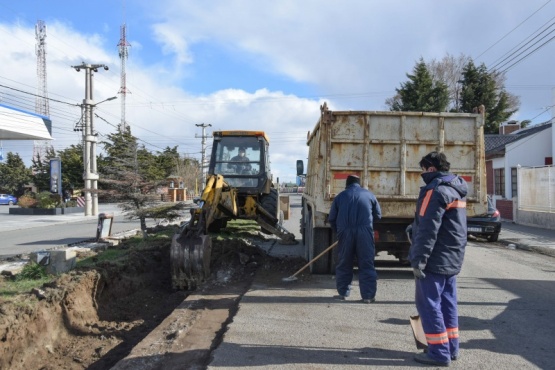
(191, 248)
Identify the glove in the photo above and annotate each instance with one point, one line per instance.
(419, 274)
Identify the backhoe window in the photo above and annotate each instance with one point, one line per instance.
(238, 157)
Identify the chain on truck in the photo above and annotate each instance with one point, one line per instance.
(384, 149)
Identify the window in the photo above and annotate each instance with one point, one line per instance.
(514, 187)
(499, 175)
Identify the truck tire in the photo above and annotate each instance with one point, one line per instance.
(307, 227)
(270, 203)
(303, 223)
(320, 241)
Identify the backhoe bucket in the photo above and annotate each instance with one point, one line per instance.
(190, 260)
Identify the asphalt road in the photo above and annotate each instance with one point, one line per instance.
(21, 234)
(506, 311)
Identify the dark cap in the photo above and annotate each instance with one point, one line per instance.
(435, 159)
(352, 179)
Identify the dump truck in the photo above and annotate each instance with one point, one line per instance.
(239, 185)
(384, 149)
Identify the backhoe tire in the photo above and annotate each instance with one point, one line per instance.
(217, 225)
(270, 203)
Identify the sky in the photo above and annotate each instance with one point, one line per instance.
(256, 64)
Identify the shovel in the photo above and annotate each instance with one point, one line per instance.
(294, 276)
(418, 332)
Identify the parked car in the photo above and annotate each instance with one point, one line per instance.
(8, 199)
(487, 225)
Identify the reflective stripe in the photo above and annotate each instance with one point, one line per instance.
(452, 333)
(456, 204)
(426, 202)
(437, 338)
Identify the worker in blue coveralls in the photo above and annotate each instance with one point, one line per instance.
(436, 256)
(352, 214)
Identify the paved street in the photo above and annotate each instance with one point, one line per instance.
(506, 306)
(24, 234)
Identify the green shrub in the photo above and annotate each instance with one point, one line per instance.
(32, 271)
(45, 199)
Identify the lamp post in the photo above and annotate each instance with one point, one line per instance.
(90, 174)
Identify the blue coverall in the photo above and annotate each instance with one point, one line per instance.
(439, 237)
(351, 216)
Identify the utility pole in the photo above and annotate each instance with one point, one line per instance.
(202, 161)
(90, 174)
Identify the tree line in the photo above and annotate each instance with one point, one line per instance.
(456, 84)
(124, 167)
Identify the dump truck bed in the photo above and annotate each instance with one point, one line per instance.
(384, 149)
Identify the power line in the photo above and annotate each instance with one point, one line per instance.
(510, 58)
(511, 31)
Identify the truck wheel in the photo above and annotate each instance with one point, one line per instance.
(270, 203)
(308, 238)
(303, 225)
(320, 241)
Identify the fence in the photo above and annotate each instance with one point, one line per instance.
(536, 189)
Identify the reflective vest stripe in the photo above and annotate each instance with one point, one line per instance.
(425, 202)
(456, 204)
(452, 333)
(437, 338)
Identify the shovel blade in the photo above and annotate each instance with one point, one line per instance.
(418, 332)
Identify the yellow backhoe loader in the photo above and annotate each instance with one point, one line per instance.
(239, 185)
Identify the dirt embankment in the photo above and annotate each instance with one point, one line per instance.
(91, 319)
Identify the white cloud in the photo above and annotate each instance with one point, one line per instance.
(353, 52)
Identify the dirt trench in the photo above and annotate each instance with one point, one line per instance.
(93, 318)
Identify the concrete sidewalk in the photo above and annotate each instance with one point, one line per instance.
(528, 238)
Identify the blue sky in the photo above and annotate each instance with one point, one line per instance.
(254, 64)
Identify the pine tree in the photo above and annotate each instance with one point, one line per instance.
(41, 169)
(421, 93)
(14, 175)
(480, 87)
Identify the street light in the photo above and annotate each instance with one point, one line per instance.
(110, 98)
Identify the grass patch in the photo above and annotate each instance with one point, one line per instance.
(239, 227)
(32, 276)
(110, 255)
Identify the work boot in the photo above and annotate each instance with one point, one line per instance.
(424, 359)
(340, 297)
(368, 300)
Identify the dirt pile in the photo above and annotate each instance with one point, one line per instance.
(92, 318)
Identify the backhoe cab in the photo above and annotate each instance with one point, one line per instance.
(239, 185)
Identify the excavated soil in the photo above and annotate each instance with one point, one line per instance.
(93, 318)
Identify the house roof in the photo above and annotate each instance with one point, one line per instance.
(495, 144)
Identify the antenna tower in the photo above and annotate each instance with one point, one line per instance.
(41, 101)
(123, 53)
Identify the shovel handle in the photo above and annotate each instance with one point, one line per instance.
(313, 260)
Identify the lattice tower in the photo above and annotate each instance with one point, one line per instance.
(41, 102)
(123, 53)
